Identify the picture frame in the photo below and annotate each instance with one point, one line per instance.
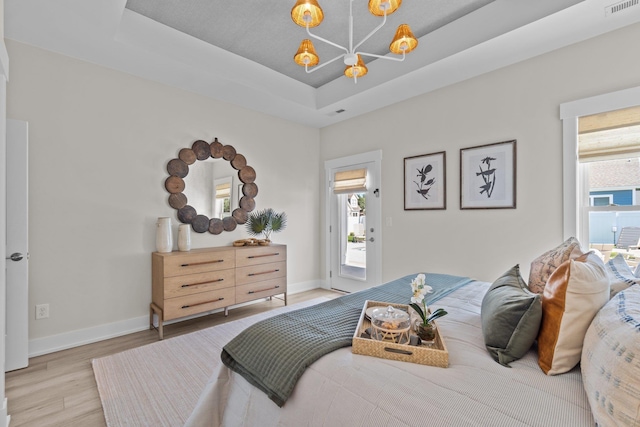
(488, 176)
(425, 185)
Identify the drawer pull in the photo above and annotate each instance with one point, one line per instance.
(264, 272)
(201, 283)
(201, 303)
(263, 290)
(260, 256)
(203, 262)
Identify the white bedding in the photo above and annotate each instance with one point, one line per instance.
(344, 389)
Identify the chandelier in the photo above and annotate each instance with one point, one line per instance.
(308, 14)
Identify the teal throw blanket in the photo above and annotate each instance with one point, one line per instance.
(273, 353)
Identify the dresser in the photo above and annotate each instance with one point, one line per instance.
(201, 280)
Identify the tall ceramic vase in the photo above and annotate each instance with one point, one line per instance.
(184, 237)
(164, 241)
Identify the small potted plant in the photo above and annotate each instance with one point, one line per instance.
(265, 222)
(424, 326)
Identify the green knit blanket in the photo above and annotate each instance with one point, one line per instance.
(273, 353)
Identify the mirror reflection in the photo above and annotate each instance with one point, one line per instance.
(209, 187)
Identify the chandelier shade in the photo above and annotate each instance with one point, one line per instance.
(357, 70)
(377, 7)
(306, 54)
(404, 41)
(307, 12)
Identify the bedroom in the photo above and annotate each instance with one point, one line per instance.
(99, 140)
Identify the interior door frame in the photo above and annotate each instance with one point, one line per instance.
(374, 157)
(573, 225)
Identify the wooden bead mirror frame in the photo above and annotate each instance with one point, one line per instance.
(175, 185)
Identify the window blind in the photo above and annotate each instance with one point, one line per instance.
(223, 191)
(350, 181)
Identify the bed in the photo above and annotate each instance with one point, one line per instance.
(345, 389)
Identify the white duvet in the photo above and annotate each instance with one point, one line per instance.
(344, 389)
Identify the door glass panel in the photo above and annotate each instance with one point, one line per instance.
(353, 242)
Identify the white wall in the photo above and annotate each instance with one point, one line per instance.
(99, 144)
(518, 102)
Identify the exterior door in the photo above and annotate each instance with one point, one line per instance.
(17, 251)
(354, 232)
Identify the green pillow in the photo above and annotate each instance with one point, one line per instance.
(511, 316)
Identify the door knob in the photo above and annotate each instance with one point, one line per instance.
(371, 239)
(16, 256)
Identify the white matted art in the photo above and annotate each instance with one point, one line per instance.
(488, 176)
(425, 182)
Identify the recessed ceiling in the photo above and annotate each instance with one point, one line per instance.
(266, 34)
(241, 52)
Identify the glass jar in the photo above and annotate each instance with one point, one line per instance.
(390, 324)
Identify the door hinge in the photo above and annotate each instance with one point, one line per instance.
(329, 229)
(330, 274)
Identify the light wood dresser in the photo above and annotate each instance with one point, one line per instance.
(202, 280)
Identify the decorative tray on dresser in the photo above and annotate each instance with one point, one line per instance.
(202, 280)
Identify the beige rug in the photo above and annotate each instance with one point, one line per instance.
(159, 384)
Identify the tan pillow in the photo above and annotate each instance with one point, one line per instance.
(609, 363)
(574, 293)
(545, 264)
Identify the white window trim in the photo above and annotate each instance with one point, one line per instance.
(569, 113)
(600, 196)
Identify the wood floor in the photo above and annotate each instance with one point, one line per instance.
(59, 389)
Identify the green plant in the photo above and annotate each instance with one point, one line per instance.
(419, 289)
(265, 222)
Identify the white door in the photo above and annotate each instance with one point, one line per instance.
(17, 251)
(354, 231)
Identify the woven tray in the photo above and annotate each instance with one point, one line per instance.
(435, 354)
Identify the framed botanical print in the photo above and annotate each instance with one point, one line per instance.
(488, 176)
(425, 182)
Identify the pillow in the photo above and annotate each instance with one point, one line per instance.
(620, 275)
(545, 264)
(574, 293)
(510, 317)
(610, 368)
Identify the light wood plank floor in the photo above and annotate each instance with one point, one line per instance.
(59, 389)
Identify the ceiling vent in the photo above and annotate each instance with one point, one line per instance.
(335, 113)
(620, 7)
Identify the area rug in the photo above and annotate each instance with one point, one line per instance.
(159, 384)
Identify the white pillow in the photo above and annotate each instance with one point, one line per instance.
(574, 293)
(620, 275)
(609, 363)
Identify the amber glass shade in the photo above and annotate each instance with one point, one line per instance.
(404, 41)
(310, 8)
(306, 54)
(374, 6)
(357, 70)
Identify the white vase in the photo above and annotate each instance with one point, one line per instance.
(164, 240)
(184, 237)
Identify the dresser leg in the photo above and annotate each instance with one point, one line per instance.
(157, 310)
(285, 298)
(226, 311)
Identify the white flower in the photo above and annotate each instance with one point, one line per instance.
(419, 288)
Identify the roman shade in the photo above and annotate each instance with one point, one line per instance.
(350, 181)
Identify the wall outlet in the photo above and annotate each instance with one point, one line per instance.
(42, 311)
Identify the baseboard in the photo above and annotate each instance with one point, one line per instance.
(53, 343)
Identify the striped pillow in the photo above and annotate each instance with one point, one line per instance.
(620, 275)
(611, 361)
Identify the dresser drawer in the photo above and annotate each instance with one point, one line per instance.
(194, 283)
(197, 262)
(198, 303)
(263, 289)
(260, 255)
(255, 273)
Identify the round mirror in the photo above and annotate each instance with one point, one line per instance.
(207, 205)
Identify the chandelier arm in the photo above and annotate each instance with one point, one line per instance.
(390, 58)
(317, 67)
(326, 41)
(375, 30)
